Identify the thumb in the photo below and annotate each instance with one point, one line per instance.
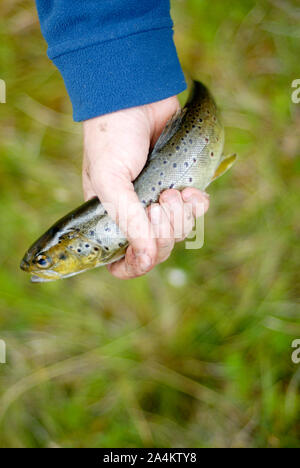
(117, 194)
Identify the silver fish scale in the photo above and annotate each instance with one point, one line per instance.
(188, 163)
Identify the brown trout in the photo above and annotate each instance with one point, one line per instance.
(187, 154)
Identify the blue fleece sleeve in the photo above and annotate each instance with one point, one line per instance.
(112, 54)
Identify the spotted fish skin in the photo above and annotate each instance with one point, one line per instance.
(187, 154)
(190, 157)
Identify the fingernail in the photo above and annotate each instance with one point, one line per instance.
(145, 262)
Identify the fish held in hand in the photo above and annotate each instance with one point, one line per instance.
(187, 154)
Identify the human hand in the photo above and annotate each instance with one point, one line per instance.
(116, 147)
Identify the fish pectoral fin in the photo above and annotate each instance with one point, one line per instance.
(225, 164)
(170, 129)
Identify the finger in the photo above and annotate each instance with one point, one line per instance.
(162, 230)
(195, 205)
(130, 266)
(122, 204)
(172, 203)
(162, 225)
(188, 221)
(198, 200)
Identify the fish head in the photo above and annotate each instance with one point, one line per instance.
(55, 257)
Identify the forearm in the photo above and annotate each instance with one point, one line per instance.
(112, 55)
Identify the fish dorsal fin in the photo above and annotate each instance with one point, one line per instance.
(170, 129)
(225, 164)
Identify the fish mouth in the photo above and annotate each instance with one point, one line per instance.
(24, 265)
(45, 276)
(40, 279)
(37, 278)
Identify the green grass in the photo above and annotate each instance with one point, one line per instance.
(92, 361)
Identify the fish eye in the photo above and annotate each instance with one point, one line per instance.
(43, 261)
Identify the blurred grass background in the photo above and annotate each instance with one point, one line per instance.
(198, 353)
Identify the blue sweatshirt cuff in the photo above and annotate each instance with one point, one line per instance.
(116, 74)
